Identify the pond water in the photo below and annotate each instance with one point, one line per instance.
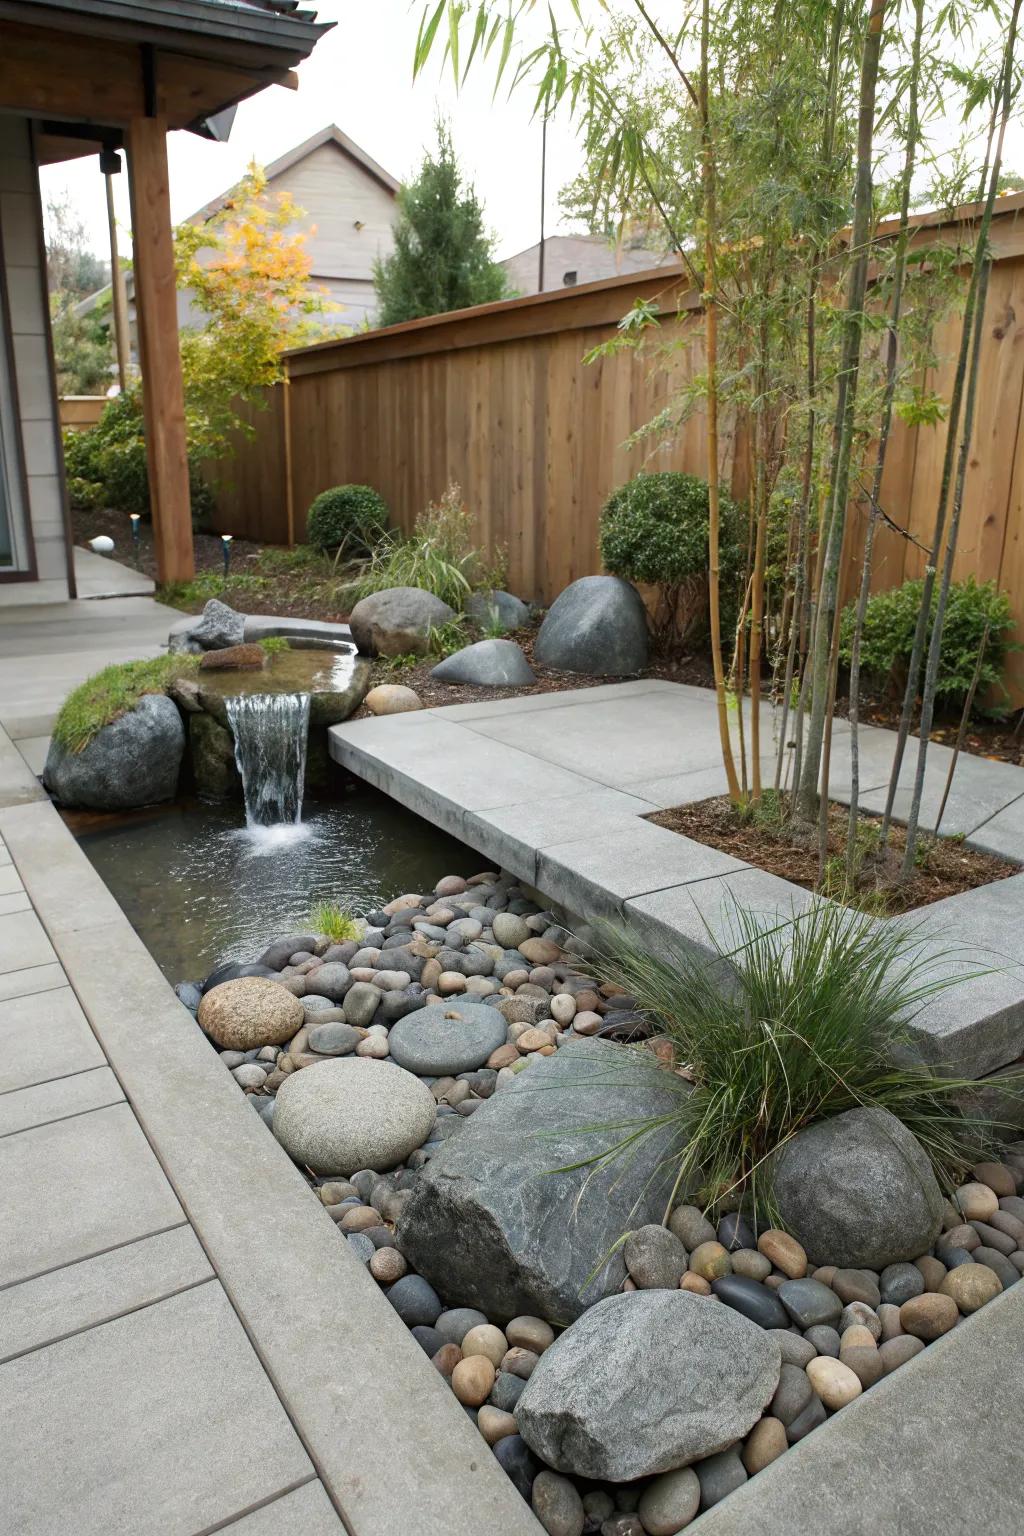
(199, 887)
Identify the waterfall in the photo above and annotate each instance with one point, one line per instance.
(270, 731)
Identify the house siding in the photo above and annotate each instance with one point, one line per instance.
(25, 282)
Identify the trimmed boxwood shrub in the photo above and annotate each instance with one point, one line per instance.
(654, 531)
(352, 519)
(890, 621)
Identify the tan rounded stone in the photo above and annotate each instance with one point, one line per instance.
(392, 699)
(539, 951)
(360, 1218)
(929, 1316)
(784, 1251)
(563, 1009)
(754, 1266)
(249, 1012)
(933, 1271)
(488, 1341)
(533, 1040)
(765, 1444)
(387, 1265)
(997, 1176)
(451, 982)
(586, 1022)
(374, 1046)
(711, 1261)
(976, 1201)
(857, 1337)
(865, 1362)
(495, 1425)
(520, 1362)
(504, 1056)
(447, 1358)
(530, 1333)
(971, 1286)
(472, 1379)
(833, 1381)
(430, 975)
(695, 1284)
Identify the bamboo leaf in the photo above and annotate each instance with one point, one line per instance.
(425, 36)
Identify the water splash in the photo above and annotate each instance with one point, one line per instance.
(271, 731)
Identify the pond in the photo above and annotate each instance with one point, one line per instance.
(200, 887)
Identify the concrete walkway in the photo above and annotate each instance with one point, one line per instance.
(554, 787)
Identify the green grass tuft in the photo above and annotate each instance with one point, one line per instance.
(112, 693)
(795, 1022)
(273, 645)
(335, 922)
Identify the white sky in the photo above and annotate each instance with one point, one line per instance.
(360, 77)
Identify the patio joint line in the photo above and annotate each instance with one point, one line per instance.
(1015, 801)
(52, 1269)
(271, 1498)
(141, 1306)
(59, 1077)
(76, 1114)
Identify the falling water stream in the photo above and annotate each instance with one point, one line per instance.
(270, 731)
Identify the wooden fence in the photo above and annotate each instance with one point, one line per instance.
(499, 399)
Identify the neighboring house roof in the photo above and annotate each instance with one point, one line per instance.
(572, 259)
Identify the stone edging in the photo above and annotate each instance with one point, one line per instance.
(391, 1444)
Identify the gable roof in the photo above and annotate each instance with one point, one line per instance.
(329, 135)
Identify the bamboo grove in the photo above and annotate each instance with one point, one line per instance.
(781, 150)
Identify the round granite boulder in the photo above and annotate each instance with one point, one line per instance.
(445, 1038)
(352, 1112)
(493, 609)
(858, 1191)
(397, 621)
(133, 761)
(598, 625)
(707, 1373)
(248, 1012)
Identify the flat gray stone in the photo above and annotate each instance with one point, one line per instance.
(57, 1100)
(79, 1296)
(347, 1113)
(77, 1186)
(44, 1035)
(170, 1386)
(707, 1373)
(447, 1038)
(487, 664)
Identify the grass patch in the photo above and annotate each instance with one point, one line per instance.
(335, 922)
(111, 693)
(207, 584)
(273, 645)
(794, 1023)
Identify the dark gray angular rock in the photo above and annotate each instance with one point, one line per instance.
(655, 1258)
(598, 625)
(397, 621)
(428, 1339)
(217, 627)
(133, 761)
(489, 609)
(858, 1191)
(813, 1416)
(752, 1299)
(446, 1038)
(189, 994)
(495, 1226)
(706, 1371)
(900, 1283)
(487, 664)
(733, 1232)
(825, 1339)
(507, 1391)
(809, 1303)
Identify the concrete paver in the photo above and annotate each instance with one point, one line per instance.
(69, 1300)
(30, 981)
(134, 1426)
(304, 1512)
(76, 1187)
(44, 1034)
(57, 1100)
(23, 942)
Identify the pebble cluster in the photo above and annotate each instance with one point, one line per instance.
(483, 942)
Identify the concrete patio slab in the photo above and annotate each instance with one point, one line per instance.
(43, 1035)
(79, 1296)
(34, 750)
(484, 708)
(31, 981)
(23, 942)
(16, 901)
(602, 871)
(703, 916)
(517, 833)
(162, 1394)
(1003, 833)
(57, 1100)
(109, 1190)
(10, 880)
(100, 576)
(305, 1512)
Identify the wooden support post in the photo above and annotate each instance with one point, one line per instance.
(118, 290)
(156, 312)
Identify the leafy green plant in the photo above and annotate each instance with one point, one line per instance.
(439, 556)
(443, 639)
(111, 693)
(274, 644)
(210, 583)
(654, 530)
(796, 1021)
(349, 519)
(891, 618)
(107, 466)
(335, 922)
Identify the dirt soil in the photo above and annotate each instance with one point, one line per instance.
(945, 867)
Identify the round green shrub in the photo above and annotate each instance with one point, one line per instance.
(350, 518)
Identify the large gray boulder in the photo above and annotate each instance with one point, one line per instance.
(133, 761)
(217, 627)
(858, 1191)
(499, 1220)
(491, 609)
(647, 1382)
(597, 625)
(347, 1113)
(488, 664)
(397, 621)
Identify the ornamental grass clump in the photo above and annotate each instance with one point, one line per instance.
(335, 922)
(106, 696)
(797, 1021)
(440, 556)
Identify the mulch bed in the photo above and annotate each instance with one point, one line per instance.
(945, 866)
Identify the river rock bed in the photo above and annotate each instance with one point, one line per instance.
(464, 1055)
